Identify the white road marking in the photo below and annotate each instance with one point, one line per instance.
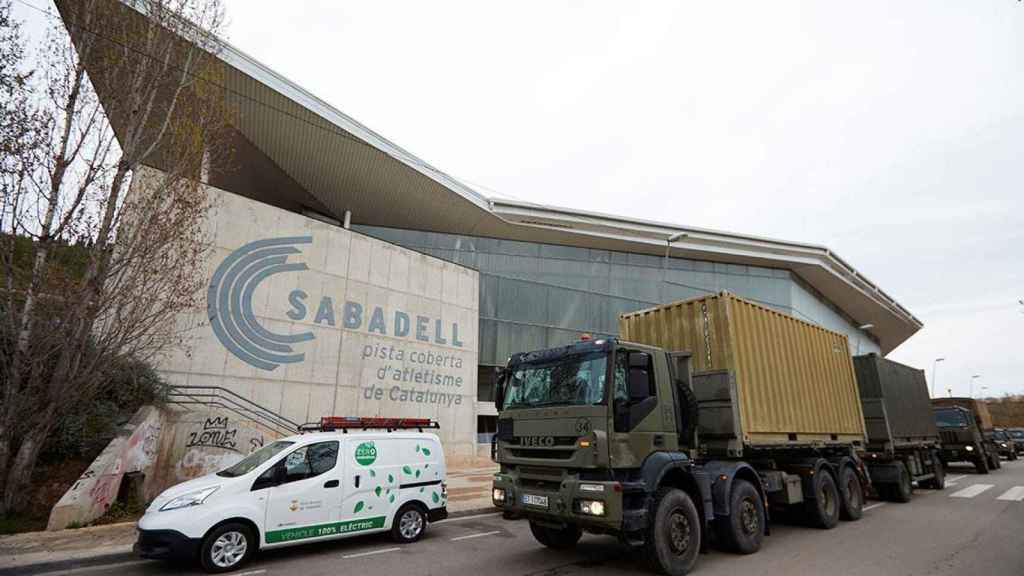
(371, 553)
(466, 517)
(105, 567)
(955, 478)
(1015, 494)
(251, 573)
(972, 491)
(480, 535)
(950, 484)
(873, 506)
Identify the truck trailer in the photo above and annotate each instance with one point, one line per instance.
(902, 441)
(707, 415)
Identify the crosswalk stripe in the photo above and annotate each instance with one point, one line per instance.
(1015, 494)
(971, 491)
(955, 478)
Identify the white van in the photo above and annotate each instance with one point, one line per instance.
(361, 475)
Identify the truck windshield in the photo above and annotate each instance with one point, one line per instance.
(999, 435)
(950, 418)
(252, 461)
(1016, 434)
(568, 380)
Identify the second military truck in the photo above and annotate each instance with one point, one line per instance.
(664, 449)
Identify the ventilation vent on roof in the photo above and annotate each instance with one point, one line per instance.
(549, 224)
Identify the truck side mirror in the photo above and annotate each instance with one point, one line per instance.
(639, 379)
(500, 374)
(639, 360)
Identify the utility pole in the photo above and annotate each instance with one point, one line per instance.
(664, 264)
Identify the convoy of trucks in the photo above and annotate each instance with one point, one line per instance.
(705, 418)
(966, 428)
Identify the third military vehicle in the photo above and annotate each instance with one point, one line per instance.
(664, 449)
(903, 442)
(1005, 444)
(965, 426)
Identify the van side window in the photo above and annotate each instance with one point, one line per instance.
(310, 461)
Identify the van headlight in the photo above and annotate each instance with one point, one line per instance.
(194, 498)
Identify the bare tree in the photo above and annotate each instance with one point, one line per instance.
(100, 260)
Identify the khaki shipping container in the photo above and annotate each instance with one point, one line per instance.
(980, 408)
(762, 378)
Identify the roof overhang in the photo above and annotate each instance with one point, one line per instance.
(321, 159)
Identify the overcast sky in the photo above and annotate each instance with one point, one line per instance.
(891, 132)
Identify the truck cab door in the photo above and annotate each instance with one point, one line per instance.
(638, 419)
(306, 495)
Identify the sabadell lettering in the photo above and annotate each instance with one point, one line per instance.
(397, 323)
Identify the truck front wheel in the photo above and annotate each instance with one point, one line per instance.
(556, 538)
(981, 464)
(743, 529)
(672, 541)
(823, 511)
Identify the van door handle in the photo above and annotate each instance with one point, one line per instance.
(331, 484)
(357, 480)
(659, 440)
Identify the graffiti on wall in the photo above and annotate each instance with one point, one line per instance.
(214, 444)
(215, 433)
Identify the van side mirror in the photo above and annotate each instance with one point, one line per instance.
(280, 474)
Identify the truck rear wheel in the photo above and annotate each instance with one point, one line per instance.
(981, 464)
(852, 493)
(743, 529)
(904, 487)
(672, 541)
(823, 510)
(556, 538)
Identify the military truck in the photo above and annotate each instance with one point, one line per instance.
(903, 442)
(1005, 444)
(667, 449)
(965, 427)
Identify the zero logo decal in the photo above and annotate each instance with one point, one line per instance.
(229, 302)
(366, 453)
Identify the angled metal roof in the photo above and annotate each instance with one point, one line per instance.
(335, 164)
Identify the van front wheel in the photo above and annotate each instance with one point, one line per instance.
(227, 547)
(409, 524)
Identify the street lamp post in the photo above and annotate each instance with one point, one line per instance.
(664, 264)
(934, 362)
(973, 378)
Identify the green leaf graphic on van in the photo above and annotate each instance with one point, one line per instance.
(426, 452)
(406, 469)
(366, 453)
(359, 507)
(435, 497)
(391, 479)
(377, 491)
(421, 488)
(417, 447)
(372, 473)
(392, 498)
(417, 473)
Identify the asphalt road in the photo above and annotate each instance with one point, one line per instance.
(975, 526)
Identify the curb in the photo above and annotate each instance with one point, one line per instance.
(45, 567)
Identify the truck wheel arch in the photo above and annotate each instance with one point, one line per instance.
(672, 469)
(721, 488)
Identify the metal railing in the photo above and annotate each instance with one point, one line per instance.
(220, 397)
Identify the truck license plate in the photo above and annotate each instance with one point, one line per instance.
(532, 500)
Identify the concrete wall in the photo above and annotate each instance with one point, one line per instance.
(309, 319)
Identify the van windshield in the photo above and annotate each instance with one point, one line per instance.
(252, 461)
(577, 379)
(950, 418)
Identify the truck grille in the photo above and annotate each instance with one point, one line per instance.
(949, 437)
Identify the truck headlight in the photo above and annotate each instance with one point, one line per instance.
(969, 448)
(187, 499)
(498, 495)
(1002, 444)
(590, 507)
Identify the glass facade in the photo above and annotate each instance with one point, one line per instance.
(535, 296)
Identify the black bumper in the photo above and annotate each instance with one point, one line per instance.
(166, 545)
(437, 514)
